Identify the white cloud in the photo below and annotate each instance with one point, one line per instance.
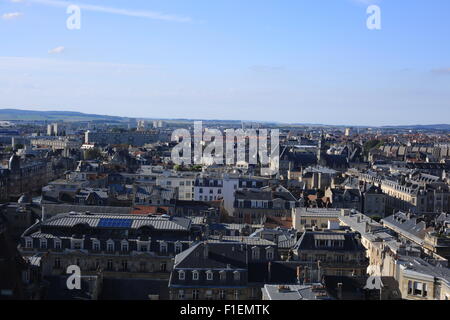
(57, 50)
(124, 12)
(11, 15)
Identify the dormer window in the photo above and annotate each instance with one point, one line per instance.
(181, 275)
(163, 247)
(95, 245)
(209, 275)
(237, 275)
(195, 275)
(223, 275)
(57, 244)
(110, 245)
(144, 246)
(178, 247)
(29, 243)
(77, 244)
(124, 246)
(43, 243)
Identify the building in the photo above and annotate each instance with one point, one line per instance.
(217, 270)
(137, 139)
(295, 292)
(115, 246)
(344, 198)
(255, 206)
(431, 235)
(374, 201)
(307, 218)
(331, 253)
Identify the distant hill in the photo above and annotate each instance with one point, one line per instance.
(422, 127)
(29, 115)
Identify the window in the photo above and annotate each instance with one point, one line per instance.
(209, 275)
(109, 265)
(269, 254)
(124, 265)
(124, 246)
(110, 246)
(163, 267)
(236, 294)
(77, 245)
(194, 275)
(57, 244)
(181, 275)
(181, 294)
(195, 294)
(223, 275)
(57, 264)
(178, 247)
(237, 276)
(29, 243)
(418, 288)
(43, 243)
(222, 295)
(96, 245)
(163, 248)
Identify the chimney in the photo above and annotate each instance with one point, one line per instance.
(299, 274)
(339, 291)
(306, 279)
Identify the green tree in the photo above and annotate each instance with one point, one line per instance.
(372, 144)
(92, 154)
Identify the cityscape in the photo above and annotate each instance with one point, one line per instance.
(195, 175)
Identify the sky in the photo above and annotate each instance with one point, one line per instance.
(291, 61)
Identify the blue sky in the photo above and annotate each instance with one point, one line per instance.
(302, 61)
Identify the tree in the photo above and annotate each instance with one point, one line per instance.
(92, 154)
(372, 144)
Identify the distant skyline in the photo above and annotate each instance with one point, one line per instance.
(291, 61)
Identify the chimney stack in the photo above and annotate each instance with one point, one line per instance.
(299, 275)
